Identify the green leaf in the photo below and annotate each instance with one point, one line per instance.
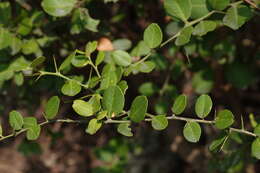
(1, 130)
(217, 143)
(18, 78)
(218, 4)
(121, 58)
(83, 108)
(199, 8)
(80, 61)
(203, 81)
(179, 8)
(82, 20)
(225, 118)
(203, 106)
(153, 35)
(192, 132)
(66, 63)
(6, 38)
(71, 88)
(123, 86)
(148, 89)
(184, 36)
(90, 47)
(236, 16)
(5, 13)
(138, 109)
(257, 130)
(255, 148)
(58, 8)
(124, 129)
(101, 115)
(33, 129)
(113, 100)
(100, 58)
(122, 44)
(179, 104)
(31, 47)
(94, 101)
(37, 61)
(159, 122)
(204, 27)
(146, 67)
(15, 120)
(52, 107)
(93, 126)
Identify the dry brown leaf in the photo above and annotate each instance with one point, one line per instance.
(104, 44)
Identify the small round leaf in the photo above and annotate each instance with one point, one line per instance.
(15, 120)
(179, 104)
(82, 108)
(138, 109)
(71, 88)
(225, 118)
(192, 132)
(159, 122)
(255, 148)
(121, 58)
(153, 35)
(52, 107)
(58, 8)
(203, 106)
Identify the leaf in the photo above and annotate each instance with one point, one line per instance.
(122, 44)
(37, 61)
(83, 108)
(19, 79)
(15, 120)
(113, 100)
(225, 118)
(184, 36)
(255, 148)
(100, 58)
(90, 48)
(148, 89)
(121, 58)
(124, 129)
(217, 143)
(236, 16)
(31, 47)
(52, 107)
(81, 21)
(179, 8)
(203, 106)
(93, 126)
(80, 61)
(58, 8)
(218, 4)
(123, 86)
(5, 13)
(138, 109)
(199, 9)
(146, 67)
(203, 81)
(1, 130)
(159, 122)
(33, 129)
(153, 35)
(94, 101)
(71, 88)
(66, 63)
(257, 130)
(192, 132)
(101, 115)
(6, 38)
(179, 104)
(204, 27)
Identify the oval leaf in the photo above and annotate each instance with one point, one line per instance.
(71, 88)
(159, 122)
(153, 35)
(184, 36)
(83, 108)
(66, 63)
(38, 61)
(15, 120)
(204, 27)
(257, 130)
(124, 129)
(52, 107)
(121, 58)
(255, 148)
(203, 106)
(113, 100)
(58, 8)
(178, 8)
(218, 4)
(33, 129)
(93, 126)
(179, 104)
(225, 118)
(192, 132)
(138, 109)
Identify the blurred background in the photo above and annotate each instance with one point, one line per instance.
(224, 64)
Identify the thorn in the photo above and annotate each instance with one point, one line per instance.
(242, 123)
(55, 65)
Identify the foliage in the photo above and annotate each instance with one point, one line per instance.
(95, 78)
